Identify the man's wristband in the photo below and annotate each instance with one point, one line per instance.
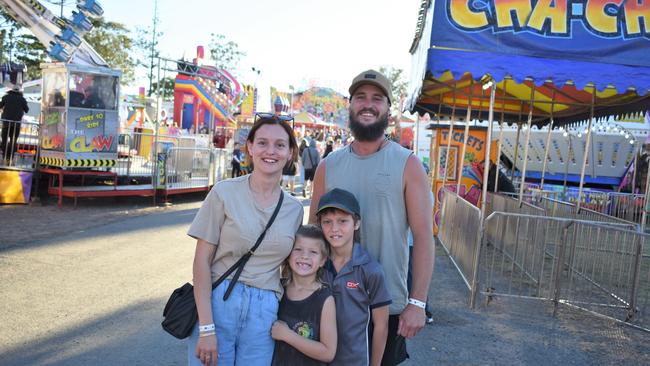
(418, 303)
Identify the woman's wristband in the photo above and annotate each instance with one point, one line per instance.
(207, 334)
(418, 303)
(206, 328)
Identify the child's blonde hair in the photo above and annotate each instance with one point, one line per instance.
(312, 232)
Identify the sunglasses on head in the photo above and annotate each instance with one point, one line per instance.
(282, 118)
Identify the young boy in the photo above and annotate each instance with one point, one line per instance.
(357, 283)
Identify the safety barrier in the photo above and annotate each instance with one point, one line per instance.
(459, 232)
(509, 203)
(624, 206)
(187, 168)
(223, 168)
(585, 264)
(19, 145)
(568, 210)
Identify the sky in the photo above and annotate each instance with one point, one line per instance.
(292, 42)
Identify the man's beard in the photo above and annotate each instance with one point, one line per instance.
(370, 132)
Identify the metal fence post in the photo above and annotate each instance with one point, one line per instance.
(559, 264)
(480, 239)
(638, 253)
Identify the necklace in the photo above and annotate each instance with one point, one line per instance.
(381, 144)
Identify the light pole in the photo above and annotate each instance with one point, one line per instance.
(291, 102)
(293, 123)
(257, 73)
(569, 135)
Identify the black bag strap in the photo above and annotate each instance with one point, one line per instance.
(311, 160)
(239, 265)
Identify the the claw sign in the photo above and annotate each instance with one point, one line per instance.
(97, 144)
(555, 18)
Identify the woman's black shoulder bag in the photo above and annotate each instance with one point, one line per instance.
(180, 313)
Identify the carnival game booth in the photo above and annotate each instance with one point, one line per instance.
(535, 64)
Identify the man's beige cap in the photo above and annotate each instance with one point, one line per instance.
(375, 78)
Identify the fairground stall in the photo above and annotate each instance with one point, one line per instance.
(535, 64)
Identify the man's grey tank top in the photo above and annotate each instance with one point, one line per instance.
(377, 182)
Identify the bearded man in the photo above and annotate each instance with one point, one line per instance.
(392, 189)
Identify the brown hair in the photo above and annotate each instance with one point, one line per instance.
(356, 218)
(261, 121)
(313, 232)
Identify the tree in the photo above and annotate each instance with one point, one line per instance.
(167, 88)
(147, 41)
(29, 51)
(111, 40)
(20, 47)
(226, 54)
(399, 86)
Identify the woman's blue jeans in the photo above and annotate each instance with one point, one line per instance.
(243, 326)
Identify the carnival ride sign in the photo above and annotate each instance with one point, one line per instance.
(580, 29)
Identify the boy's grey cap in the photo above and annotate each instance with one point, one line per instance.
(340, 199)
(375, 78)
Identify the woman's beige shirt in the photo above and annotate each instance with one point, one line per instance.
(231, 219)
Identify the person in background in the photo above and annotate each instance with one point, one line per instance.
(305, 331)
(289, 177)
(310, 159)
(328, 148)
(92, 99)
(245, 164)
(237, 331)
(237, 158)
(389, 182)
(14, 106)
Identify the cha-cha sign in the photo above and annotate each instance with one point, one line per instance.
(554, 18)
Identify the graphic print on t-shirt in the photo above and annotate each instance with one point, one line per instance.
(304, 329)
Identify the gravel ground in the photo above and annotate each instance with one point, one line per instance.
(506, 332)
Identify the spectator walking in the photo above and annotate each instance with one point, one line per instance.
(310, 159)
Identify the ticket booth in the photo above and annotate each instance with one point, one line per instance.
(80, 121)
(467, 169)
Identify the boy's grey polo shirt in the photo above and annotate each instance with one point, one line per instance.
(358, 288)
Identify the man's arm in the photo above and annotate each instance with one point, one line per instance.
(419, 214)
(318, 189)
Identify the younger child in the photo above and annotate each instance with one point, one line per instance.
(305, 331)
(357, 283)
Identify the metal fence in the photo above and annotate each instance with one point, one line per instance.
(176, 158)
(585, 264)
(19, 145)
(562, 209)
(624, 206)
(509, 203)
(222, 166)
(459, 232)
(599, 267)
(187, 168)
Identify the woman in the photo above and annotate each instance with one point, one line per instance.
(238, 330)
